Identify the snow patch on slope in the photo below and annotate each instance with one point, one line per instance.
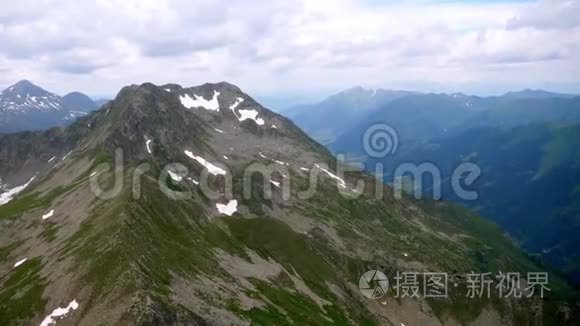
(9, 194)
(246, 114)
(195, 182)
(215, 170)
(252, 115)
(236, 103)
(341, 182)
(48, 215)
(66, 156)
(59, 313)
(190, 103)
(20, 262)
(175, 176)
(279, 162)
(229, 209)
(148, 145)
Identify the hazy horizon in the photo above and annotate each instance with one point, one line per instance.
(282, 102)
(291, 48)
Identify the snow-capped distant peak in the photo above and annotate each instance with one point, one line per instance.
(25, 96)
(25, 106)
(32, 103)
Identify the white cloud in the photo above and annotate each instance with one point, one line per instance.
(548, 14)
(283, 46)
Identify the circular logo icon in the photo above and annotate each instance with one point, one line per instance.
(373, 284)
(380, 140)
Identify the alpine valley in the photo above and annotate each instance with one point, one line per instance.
(525, 144)
(143, 213)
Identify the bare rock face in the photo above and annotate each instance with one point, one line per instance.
(189, 206)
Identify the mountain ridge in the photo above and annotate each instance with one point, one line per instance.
(142, 257)
(345, 114)
(327, 119)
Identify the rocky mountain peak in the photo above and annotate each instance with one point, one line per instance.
(26, 106)
(26, 88)
(145, 256)
(217, 119)
(208, 102)
(78, 101)
(25, 96)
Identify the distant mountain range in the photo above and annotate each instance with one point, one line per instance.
(332, 117)
(25, 106)
(203, 242)
(526, 143)
(536, 94)
(420, 117)
(342, 118)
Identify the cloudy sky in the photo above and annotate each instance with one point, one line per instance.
(288, 47)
